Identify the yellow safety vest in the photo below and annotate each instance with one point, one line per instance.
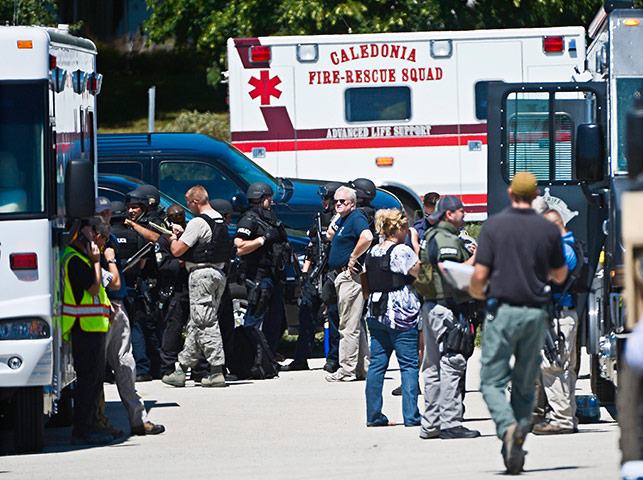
(93, 312)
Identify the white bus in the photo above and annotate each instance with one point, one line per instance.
(48, 87)
(407, 110)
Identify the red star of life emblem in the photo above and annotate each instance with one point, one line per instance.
(265, 87)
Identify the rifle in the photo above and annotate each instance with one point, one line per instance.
(554, 340)
(137, 257)
(323, 249)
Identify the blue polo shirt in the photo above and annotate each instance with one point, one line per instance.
(570, 260)
(345, 239)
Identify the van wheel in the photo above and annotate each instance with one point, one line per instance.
(411, 207)
(29, 427)
(629, 402)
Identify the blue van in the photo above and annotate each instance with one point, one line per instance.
(174, 162)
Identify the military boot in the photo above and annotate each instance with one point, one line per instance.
(215, 379)
(177, 378)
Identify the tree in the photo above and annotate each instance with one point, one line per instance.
(28, 12)
(205, 25)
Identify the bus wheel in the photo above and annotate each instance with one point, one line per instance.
(29, 427)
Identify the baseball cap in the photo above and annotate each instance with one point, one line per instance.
(102, 204)
(524, 184)
(448, 203)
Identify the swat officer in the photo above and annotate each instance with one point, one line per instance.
(175, 301)
(146, 333)
(131, 242)
(226, 307)
(316, 269)
(260, 239)
(365, 190)
(416, 232)
(443, 363)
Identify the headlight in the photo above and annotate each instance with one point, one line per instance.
(24, 329)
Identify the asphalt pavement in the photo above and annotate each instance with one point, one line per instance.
(299, 426)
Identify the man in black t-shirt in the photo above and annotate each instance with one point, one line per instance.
(518, 253)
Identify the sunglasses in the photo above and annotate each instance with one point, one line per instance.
(342, 201)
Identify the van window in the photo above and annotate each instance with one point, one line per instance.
(377, 103)
(177, 177)
(130, 169)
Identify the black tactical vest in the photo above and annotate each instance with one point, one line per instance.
(380, 276)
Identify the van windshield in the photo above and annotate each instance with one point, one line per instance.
(22, 121)
(248, 170)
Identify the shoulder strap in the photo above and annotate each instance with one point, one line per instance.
(573, 276)
(426, 239)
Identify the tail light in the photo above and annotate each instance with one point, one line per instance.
(260, 54)
(52, 62)
(23, 261)
(553, 44)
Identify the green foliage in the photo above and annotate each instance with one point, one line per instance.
(207, 123)
(205, 25)
(28, 12)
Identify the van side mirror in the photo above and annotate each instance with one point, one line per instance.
(634, 136)
(590, 153)
(240, 203)
(80, 189)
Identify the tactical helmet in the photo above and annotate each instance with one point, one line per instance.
(119, 210)
(258, 190)
(136, 197)
(329, 189)
(221, 206)
(365, 188)
(151, 193)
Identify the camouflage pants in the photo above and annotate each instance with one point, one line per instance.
(206, 286)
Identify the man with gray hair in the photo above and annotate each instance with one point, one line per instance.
(351, 237)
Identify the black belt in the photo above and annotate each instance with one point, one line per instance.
(340, 269)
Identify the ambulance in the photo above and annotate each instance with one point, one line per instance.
(407, 110)
(48, 88)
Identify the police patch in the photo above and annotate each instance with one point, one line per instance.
(245, 231)
(448, 251)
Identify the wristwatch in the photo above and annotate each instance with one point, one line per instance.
(113, 260)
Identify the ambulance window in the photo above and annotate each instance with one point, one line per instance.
(378, 103)
(481, 98)
(533, 120)
(176, 177)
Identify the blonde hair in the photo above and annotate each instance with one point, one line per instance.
(197, 192)
(390, 220)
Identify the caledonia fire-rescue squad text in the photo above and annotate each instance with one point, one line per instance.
(375, 75)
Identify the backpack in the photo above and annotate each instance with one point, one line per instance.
(579, 280)
(252, 357)
(219, 249)
(423, 284)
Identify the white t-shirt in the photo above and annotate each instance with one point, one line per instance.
(198, 231)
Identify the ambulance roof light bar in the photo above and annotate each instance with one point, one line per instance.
(260, 54)
(307, 53)
(553, 44)
(441, 48)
